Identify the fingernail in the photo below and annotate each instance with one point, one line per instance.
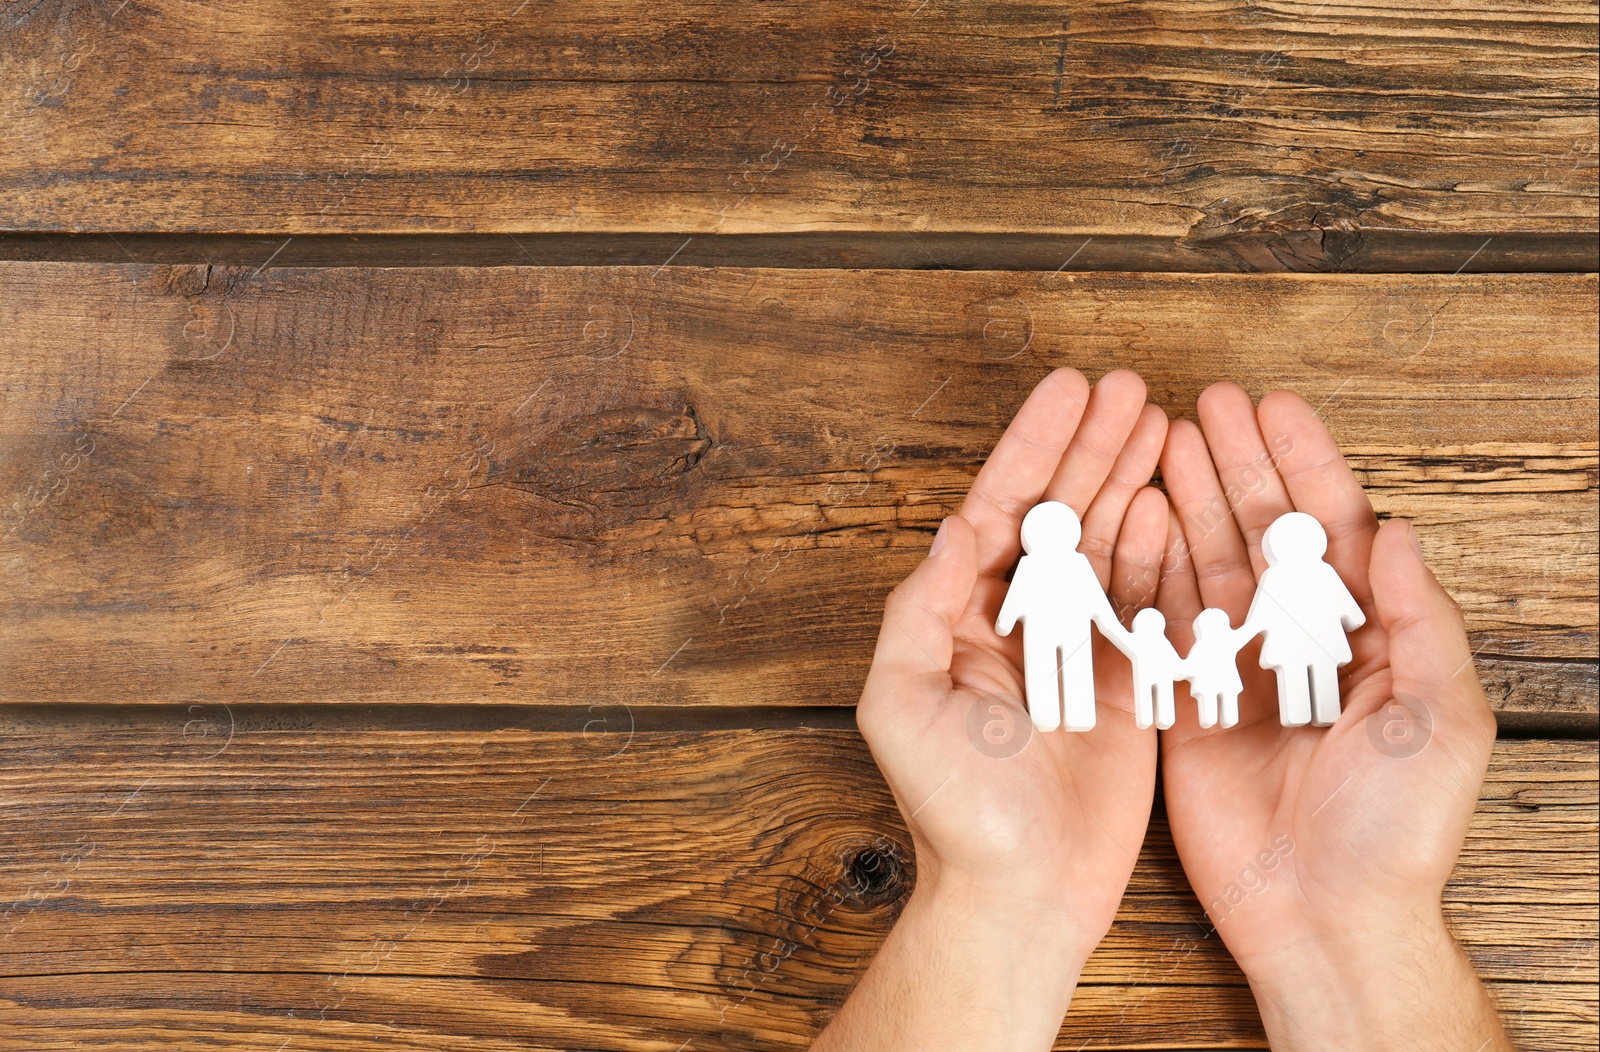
(938, 540)
(1416, 542)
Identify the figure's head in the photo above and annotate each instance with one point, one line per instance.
(1211, 620)
(1051, 526)
(1295, 537)
(1150, 620)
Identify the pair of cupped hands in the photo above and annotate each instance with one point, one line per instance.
(1319, 853)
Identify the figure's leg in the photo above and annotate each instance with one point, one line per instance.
(1208, 708)
(1144, 703)
(1044, 686)
(1077, 684)
(1166, 711)
(1230, 709)
(1294, 696)
(1325, 693)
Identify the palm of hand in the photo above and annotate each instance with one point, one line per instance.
(1304, 824)
(1077, 803)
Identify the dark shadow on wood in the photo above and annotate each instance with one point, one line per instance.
(594, 720)
(597, 720)
(1273, 251)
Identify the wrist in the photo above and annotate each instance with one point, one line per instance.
(1020, 957)
(1399, 981)
(970, 966)
(1010, 915)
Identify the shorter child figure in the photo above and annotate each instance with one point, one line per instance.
(1155, 666)
(1213, 671)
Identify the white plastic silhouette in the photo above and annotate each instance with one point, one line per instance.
(1304, 610)
(1301, 607)
(1056, 595)
(1212, 667)
(1156, 665)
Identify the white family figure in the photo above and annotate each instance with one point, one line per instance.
(1156, 665)
(1300, 606)
(1212, 667)
(1304, 610)
(1056, 595)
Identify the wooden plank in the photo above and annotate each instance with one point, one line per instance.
(173, 1009)
(1521, 690)
(1234, 135)
(399, 889)
(592, 485)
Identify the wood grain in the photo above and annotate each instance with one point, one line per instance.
(687, 487)
(189, 882)
(657, 495)
(1234, 135)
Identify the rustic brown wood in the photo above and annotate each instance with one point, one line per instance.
(1240, 135)
(686, 487)
(189, 882)
(1520, 690)
(671, 497)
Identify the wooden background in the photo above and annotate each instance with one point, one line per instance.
(453, 458)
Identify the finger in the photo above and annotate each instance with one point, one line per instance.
(1178, 599)
(916, 640)
(1247, 471)
(1216, 549)
(1130, 474)
(1428, 649)
(1141, 544)
(1021, 465)
(1322, 484)
(1135, 576)
(1114, 408)
(1178, 594)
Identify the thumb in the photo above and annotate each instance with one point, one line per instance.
(1428, 651)
(918, 634)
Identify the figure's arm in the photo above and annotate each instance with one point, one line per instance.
(1105, 615)
(1350, 612)
(1178, 666)
(1016, 601)
(1243, 635)
(1255, 619)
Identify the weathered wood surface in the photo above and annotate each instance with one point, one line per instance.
(1237, 135)
(374, 889)
(688, 487)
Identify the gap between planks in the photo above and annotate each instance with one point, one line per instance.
(1355, 252)
(35, 718)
